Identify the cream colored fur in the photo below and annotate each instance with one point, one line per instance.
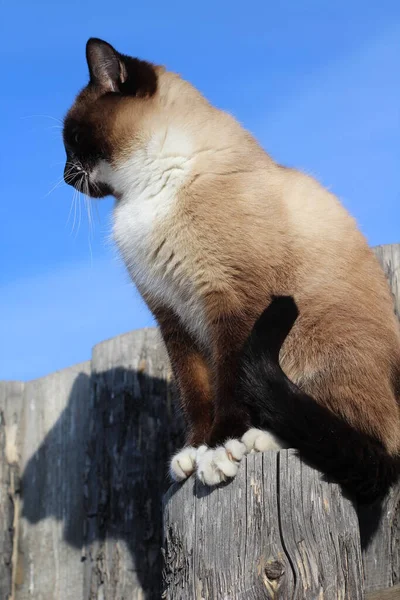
(209, 224)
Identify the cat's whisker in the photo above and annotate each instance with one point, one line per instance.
(55, 186)
(89, 208)
(44, 117)
(75, 210)
(79, 212)
(85, 197)
(89, 214)
(90, 247)
(96, 206)
(96, 211)
(70, 211)
(70, 175)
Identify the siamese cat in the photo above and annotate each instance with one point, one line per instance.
(211, 230)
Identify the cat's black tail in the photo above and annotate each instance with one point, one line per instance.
(357, 461)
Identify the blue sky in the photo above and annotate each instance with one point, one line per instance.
(316, 82)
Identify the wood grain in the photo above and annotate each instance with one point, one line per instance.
(389, 258)
(278, 530)
(134, 428)
(53, 433)
(11, 402)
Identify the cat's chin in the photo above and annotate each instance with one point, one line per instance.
(93, 190)
(99, 190)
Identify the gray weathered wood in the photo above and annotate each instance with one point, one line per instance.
(53, 435)
(381, 555)
(278, 530)
(320, 529)
(389, 257)
(11, 394)
(392, 593)
(134, 429)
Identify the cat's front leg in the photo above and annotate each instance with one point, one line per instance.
(232, 435)
(192, 376)
(231, 418)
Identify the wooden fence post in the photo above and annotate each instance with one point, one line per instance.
(133, 431)
(92, 444)
(278, 530)
(381, 555)
(52, 437)
(389, 258)
(11, 400)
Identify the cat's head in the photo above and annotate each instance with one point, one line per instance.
(107, 117)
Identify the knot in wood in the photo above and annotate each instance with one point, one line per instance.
(274, 570)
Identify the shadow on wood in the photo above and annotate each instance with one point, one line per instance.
(101, 471)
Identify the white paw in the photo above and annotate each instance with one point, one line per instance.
(258, 440)
(183, 463)
(217, 464)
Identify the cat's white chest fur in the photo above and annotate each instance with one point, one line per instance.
(151, 180)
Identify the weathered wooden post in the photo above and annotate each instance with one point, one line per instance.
(91, 445)
(133, 430)
(11, 394)
(389, 257)
(276, 531)
(51, 442)
(381, 556)
(279, 531)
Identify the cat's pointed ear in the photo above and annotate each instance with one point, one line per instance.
(105, 67)
(115, 72)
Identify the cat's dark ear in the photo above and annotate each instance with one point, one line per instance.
(104, 65)
(115, 72)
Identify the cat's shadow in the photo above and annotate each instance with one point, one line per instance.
(102, 470)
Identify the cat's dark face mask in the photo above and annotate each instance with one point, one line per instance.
(94, 132)
(85, 149)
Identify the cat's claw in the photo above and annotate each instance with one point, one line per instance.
(183, 463)
(214, 465)
(258, 440)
